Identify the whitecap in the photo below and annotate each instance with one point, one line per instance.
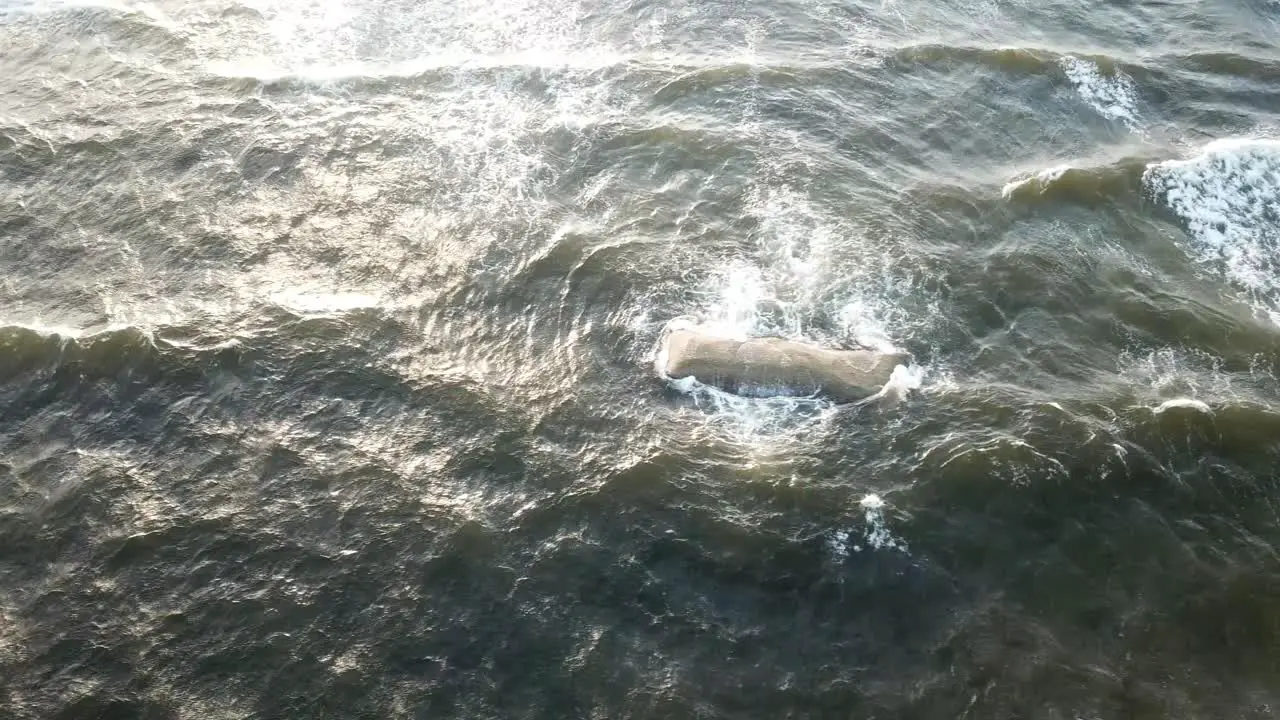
(1112, 96)
(877, 534)
(1229, 197)
(872, 502)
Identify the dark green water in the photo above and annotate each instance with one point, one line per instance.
(326, 336)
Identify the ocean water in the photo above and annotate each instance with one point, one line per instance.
(327, 336)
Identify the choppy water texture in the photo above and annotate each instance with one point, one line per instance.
(326, 337)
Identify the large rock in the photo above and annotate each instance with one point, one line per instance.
(777, 366)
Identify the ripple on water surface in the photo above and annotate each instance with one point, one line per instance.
(326, 383)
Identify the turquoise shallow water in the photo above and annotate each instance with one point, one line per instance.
(326, 359)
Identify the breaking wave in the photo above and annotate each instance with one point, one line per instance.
(1113, 95)
(1228, 195)
(1082, 183)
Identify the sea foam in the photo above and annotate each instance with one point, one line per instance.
(1229, 197)
(1112, 96)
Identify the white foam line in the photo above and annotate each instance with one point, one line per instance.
(71, 333)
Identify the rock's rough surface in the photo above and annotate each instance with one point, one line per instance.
(773, 365)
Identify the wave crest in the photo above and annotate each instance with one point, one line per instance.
(1227, 197)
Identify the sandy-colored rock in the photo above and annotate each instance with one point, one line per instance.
(777, 366)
